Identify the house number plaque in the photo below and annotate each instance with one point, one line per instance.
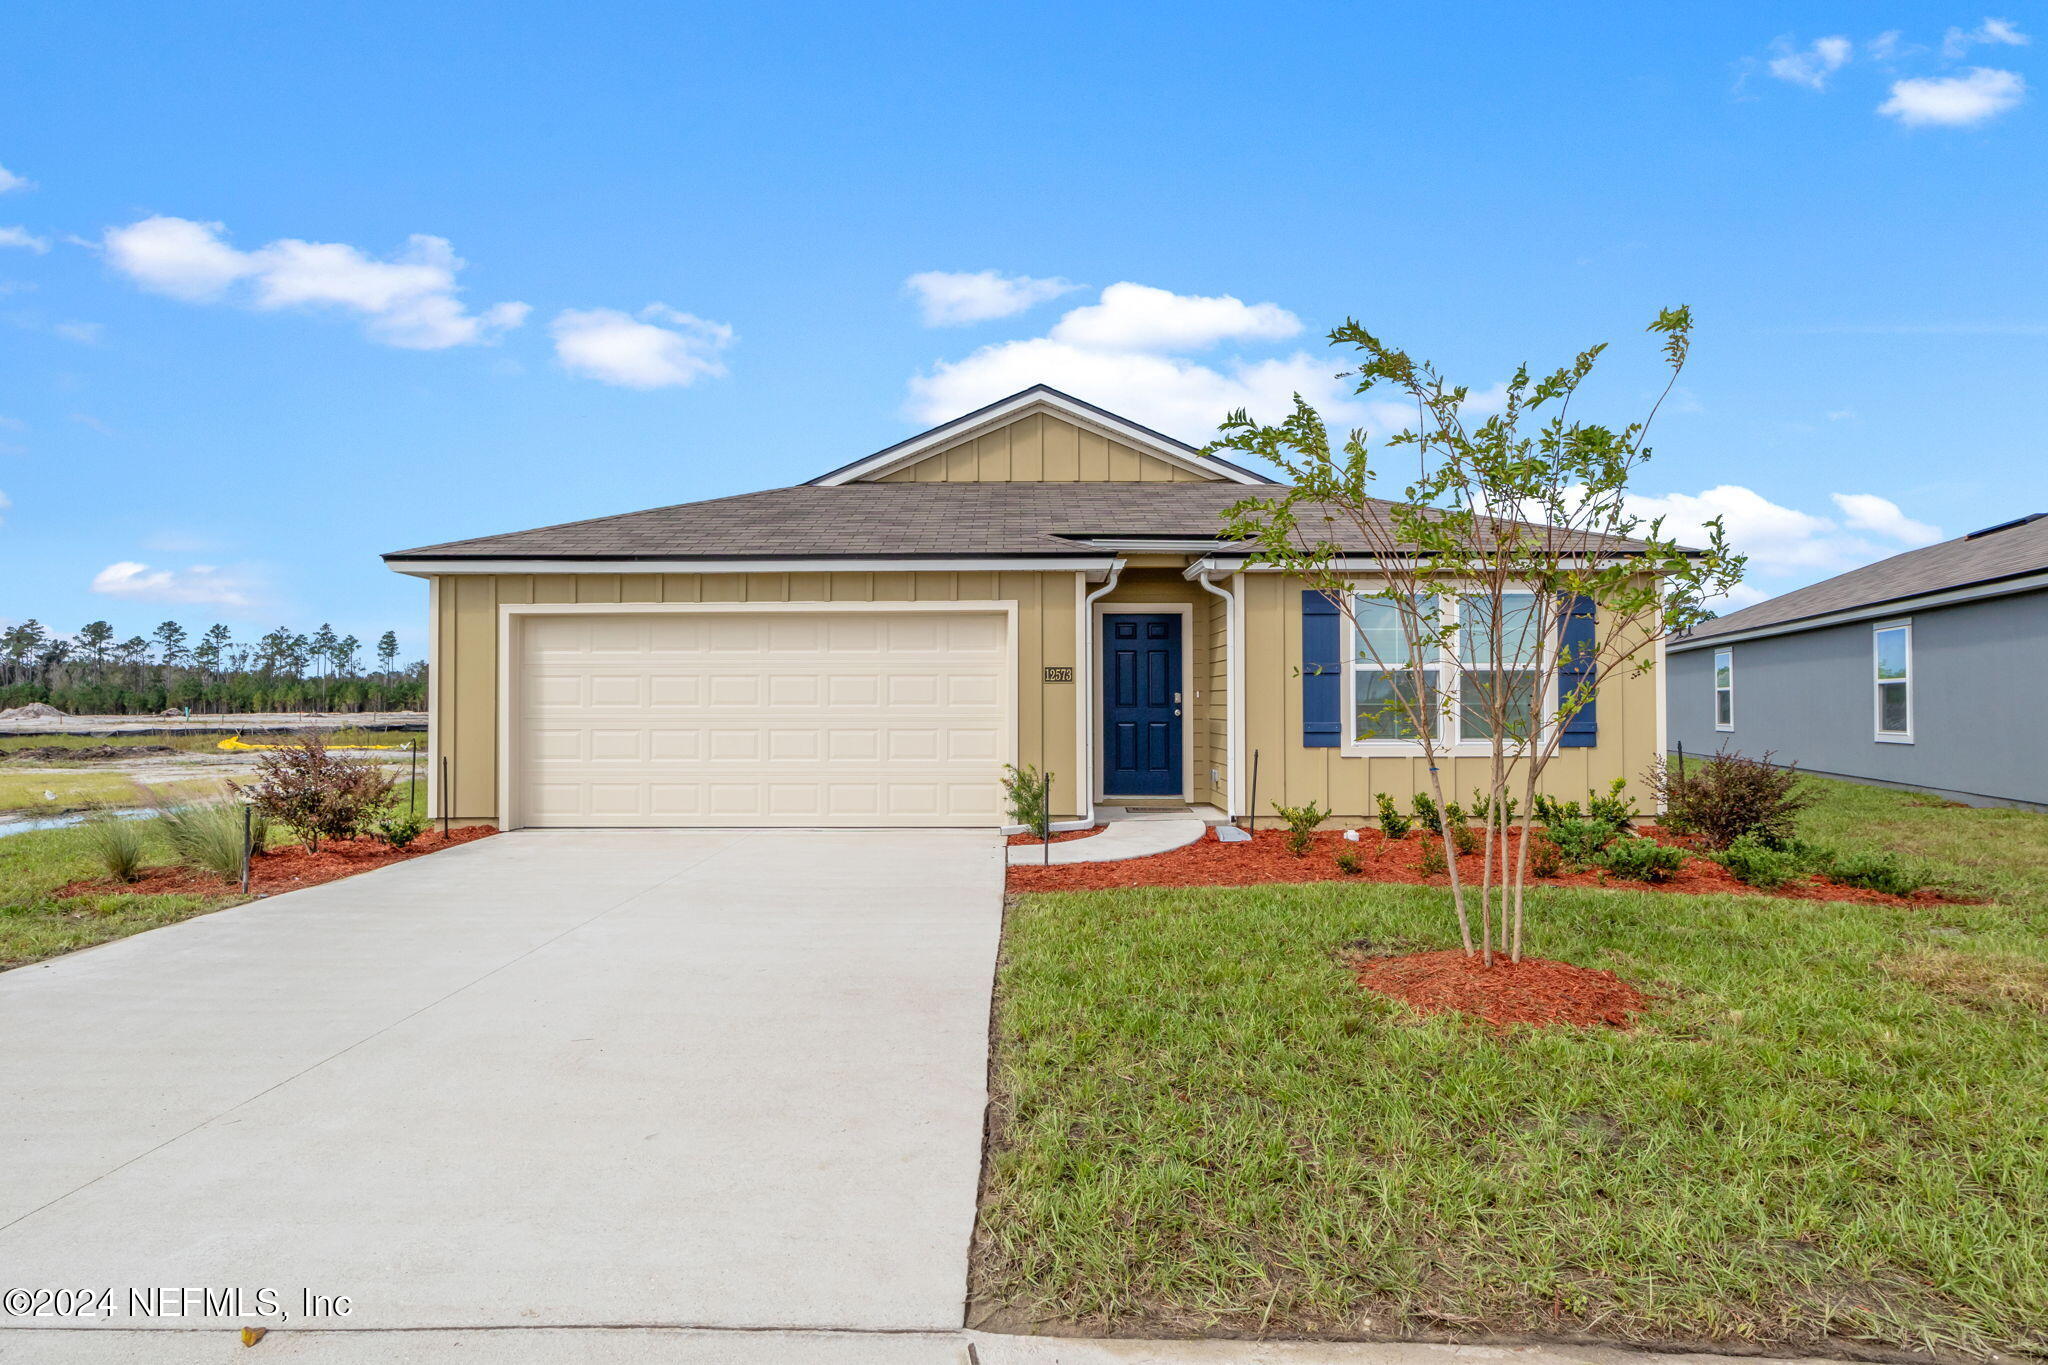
(1059, 675)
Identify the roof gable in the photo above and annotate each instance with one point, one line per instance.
(1039, 436)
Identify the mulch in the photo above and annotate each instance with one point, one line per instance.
(287, 868)
(1532, 991)
(1059, 836)
(1266, 860)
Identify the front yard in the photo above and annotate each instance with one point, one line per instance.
(1828, 1130)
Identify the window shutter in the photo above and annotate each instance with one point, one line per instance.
(1574, 665)
(1322, 672)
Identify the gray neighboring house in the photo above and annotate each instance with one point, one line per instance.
(1927, 670)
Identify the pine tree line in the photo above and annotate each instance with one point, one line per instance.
(93, 673)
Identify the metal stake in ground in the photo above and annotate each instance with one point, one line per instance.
(444, 796)
(248, 834)
(1045, 820)
(412, 793)
(1253, 813)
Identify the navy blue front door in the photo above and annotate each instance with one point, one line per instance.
(1141, 705)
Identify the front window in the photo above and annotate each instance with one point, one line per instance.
(1502, 659)
(1893, 655)
(1724, 689)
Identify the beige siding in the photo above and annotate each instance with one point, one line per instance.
(466, 688)
(1041, 449)
(1292, 774)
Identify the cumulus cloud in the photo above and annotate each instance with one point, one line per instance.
(1978, 94)
(9, 182)
(660, 347)
(1869, 512)
(23, 238)
(200, 585)
(1811, 66)
(1138, 317)
(952, 298)
(409, 299)
(1990, 33)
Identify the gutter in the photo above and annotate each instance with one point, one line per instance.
(1233, 665)
(1094, 566)
(1087, 689)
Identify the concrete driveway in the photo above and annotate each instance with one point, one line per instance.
(570, 1079)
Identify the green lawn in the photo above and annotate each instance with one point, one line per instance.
(1832, 1127)
(342, 739)
(48, 793)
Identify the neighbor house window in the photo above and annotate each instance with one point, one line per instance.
(1892, 653)
(1502, 658)
(1724, 689)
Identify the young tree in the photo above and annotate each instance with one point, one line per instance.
(1491, 599)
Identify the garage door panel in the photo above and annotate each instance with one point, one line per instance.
(730, 718)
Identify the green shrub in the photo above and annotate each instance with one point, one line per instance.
(1464, 838)
(114, 843)
(1876, 872)
(1641, 860)
(1550, 811)
(1616, 808)
(1580, 841)
(1482, 807)
(1301, 825)
(1393, 824)
(1544, 859)
(206, 835)
(1433, 857)
(1426, 812)
(1725, 797)
(1349, 863)
(400, 827)
(1024, 791)
(1754, 861)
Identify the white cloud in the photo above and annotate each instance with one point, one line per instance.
(201, 584)
(1954, 101)
(1885, 45)
(9, 181)
(1138, 317)
(950, 298)
(1869, 512)
(84, 333)
(1841, 414)
(1990, 33)
(639, 352)
(22, 237)
(1811, 66)
(409, 300)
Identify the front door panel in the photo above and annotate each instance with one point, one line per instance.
(1141, 704)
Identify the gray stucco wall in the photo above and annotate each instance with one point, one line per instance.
(1980, 700)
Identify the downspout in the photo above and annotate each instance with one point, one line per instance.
(1233, 700)
(1087, 691)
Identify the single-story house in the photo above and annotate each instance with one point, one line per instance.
(1038, 582)
(1923, 670)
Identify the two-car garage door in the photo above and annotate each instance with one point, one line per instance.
(736, 718)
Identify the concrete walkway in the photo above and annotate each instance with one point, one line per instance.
(1135, 834)
(583, 1079)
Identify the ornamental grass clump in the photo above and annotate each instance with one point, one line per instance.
(321, 796)
(114, 843)
(208, 835)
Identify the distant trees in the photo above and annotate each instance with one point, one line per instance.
(92, 672)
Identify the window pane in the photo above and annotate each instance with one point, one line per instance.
(1380, 626)
(1517, 642)
(1516, 693)
(1891, 653)
(1724, 708)
(1381, 712)
(1891, 708)
(1724, 668)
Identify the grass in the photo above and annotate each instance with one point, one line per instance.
(35, 923)
(1829, 1130)
(24, 792)
(339, 739)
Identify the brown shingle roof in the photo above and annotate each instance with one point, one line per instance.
(2005, 551)
(879, 520)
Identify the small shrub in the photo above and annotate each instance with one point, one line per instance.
(1024, 791)
(206, 835)
(1752, 860)
(1433, 857)
(1725, 797)
(1544, 859)
(1393, 824)
(1876, 872)
(400, 827)
(1616, 808)
(1641, 860)
(1464, 838)
(1301, 825)
(114, 843)
(317, 794)
(1426, 812)
(1482, 807)
(1349, 863)
(1550, 811)
(1580, 841)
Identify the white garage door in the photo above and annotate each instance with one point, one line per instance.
(773, 718)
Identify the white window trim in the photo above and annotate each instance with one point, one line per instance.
(1883, 735)
(1353, 747)
(1715, 678)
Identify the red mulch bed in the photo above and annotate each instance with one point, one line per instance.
(1266, 859)
(1059, 836)
(281, 869)
(1532, 991)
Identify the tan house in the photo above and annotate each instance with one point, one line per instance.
(1040, 582)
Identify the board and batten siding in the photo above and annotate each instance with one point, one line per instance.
(465, 688)
(1041, 449)
(1290, 773)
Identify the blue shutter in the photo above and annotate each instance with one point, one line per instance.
(1574, 664)
(1322, 672)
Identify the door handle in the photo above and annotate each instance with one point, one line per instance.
(1176, 710)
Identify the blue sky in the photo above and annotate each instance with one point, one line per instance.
(285, 287)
